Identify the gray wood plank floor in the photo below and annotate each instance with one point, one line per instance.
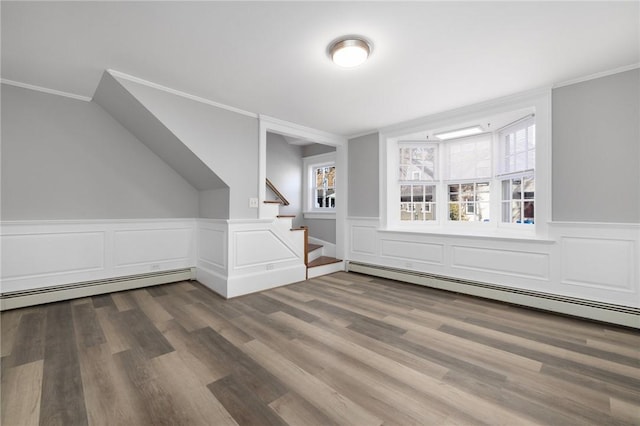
(344, 349)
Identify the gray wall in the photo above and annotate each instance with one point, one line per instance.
(214, 203)
(68, 159)
(284, 170)
(225, 141)
(316, 149)
(596, 150)
(364, 175)
(322, 229)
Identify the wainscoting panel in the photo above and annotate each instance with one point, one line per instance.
(260, 247)
(38, 254)
(506, 262)
(363, 239)
(599, 263)
(212, 246)
(418, 251)
(42, 254)
(146, 246)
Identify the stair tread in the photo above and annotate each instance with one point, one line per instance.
(272, 202)
(286, 215)
(312, 247)
(323, 260)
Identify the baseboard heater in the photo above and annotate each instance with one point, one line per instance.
(606, 312)
(21, 298)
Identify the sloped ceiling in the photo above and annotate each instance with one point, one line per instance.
(270, 57)
(125, 108)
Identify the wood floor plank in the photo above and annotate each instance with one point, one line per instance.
(142, 333)
(107, 317)
(295, 410)
(344, 349)
(62, 401)
(88, 329)
(252, 375)
(244, 406)
(333, 404)
(106, 393)
(8, 327)
(197, 403)
(21, 392)
(28, 340)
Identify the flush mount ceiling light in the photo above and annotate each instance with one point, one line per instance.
(459, 133)
(349, 52)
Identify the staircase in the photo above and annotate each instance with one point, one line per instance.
(317, 262)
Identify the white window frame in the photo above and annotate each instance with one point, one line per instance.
(309, 164)
(536, 102)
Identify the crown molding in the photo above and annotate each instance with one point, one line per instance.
(45, 90)
(133, 79)
(596, 75)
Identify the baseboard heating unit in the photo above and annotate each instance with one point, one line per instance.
(606, 312)
(37, 296)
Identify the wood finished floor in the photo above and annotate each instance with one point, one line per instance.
(343, 349)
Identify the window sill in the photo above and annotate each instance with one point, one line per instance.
(319, 215)
(504, 235)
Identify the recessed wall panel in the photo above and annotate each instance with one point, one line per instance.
(600, 263)
(30, 255)
(422, 252)
(506, 262)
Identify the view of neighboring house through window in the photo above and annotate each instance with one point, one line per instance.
(485, 177)
(319, 186)
(516, 170)
(325, 187)
(417, 175)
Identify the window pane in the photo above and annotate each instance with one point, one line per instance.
(528, 211)
(418, 193)
(483, 212)
(516, 189)
(516, 211)
(405, 193)
(506, 211)
(529, 188)
(454, 211)
(320, 198)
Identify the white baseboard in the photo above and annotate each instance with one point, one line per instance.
(251, 283)
(212, 280)
(39, 296)
(628, 317)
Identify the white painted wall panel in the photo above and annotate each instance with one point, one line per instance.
(516, 263)
(599, 263)
(135, 247)
(363, 239)
(212, 245)
(419, 251)
(31, 255)
(260, 247)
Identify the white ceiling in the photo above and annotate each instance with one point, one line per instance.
(270, 57)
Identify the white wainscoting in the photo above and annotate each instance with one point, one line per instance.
(230, 257)
(598, 262)
(37, 254)
(241, 257)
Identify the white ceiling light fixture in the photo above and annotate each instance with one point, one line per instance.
(349, 52)
(459, 133)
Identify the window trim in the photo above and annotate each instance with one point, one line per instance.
(537, 101)
(309, 164)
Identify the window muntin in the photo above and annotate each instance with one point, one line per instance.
(324, 188)
(418, 163)
(518, 200)
(417, 202)
(518, 147)
(469, 202)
